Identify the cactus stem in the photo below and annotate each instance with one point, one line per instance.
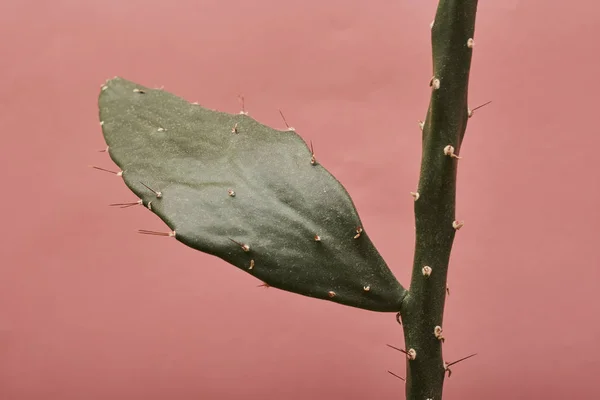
(331, 293)
(313, 160)
(235, 128)
(397, 376)
(157, 193)
(426, 271)
(251, 264)
(231, 193)
(126, 205)
(470, 43)
(243, 111)
(289, 128)
(140, 91)
(155, 233)
(244, 247)
(444, 129)
(359, 230)
(470, 112)
(415, 195)
(457, 225)
(448, 365)
(449, 151)
(119, 173)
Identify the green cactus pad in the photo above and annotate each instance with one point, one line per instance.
(246, 193)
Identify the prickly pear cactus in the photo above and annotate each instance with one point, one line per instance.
(254, 196)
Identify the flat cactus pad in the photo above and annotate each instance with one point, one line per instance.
(254, 196)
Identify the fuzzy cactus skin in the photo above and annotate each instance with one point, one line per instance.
(227, 182)
(452, 41)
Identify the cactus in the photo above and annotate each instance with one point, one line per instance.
(259, 199)
(249, 194)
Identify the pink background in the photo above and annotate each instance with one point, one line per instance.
(91, 310)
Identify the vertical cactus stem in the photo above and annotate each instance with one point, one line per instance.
(359, 230)
(243, 246)
(230, 193)
(156, 192)
(446, 123)
(289, 128)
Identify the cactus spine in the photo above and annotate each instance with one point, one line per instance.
(259, 199)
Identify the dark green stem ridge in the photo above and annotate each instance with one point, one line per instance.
(443, 131)
(251, 195)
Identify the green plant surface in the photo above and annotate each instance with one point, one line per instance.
(452, 36)
(254, 196)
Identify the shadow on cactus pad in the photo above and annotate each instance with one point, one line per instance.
(254, 196)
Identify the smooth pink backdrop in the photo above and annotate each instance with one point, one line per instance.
(91, 310)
